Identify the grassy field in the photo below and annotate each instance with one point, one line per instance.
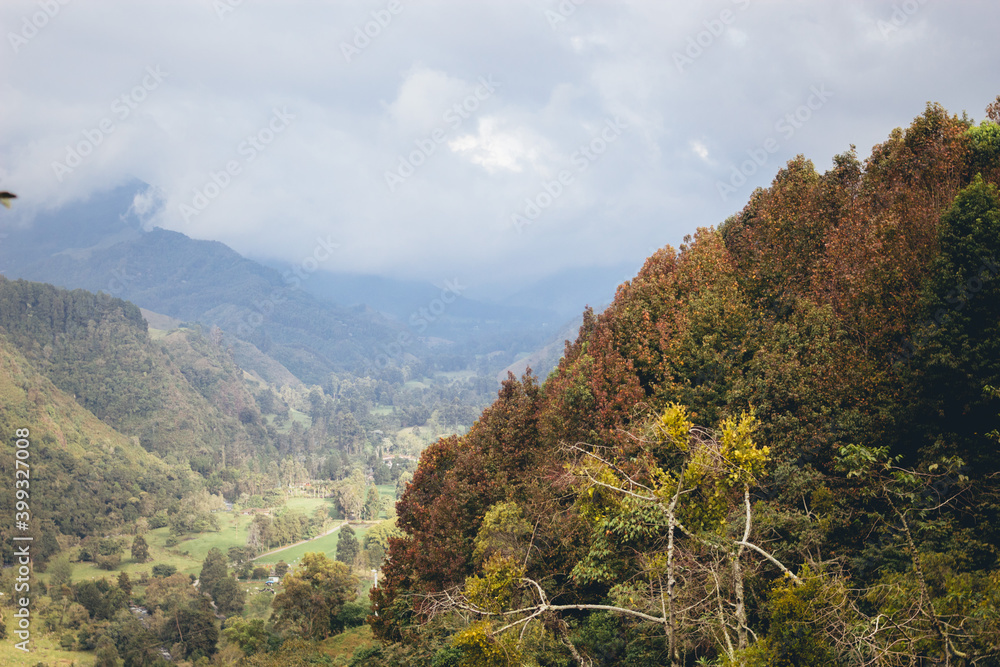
(186, 556)
(43, 648)
(326, 544)
(293, 416)
(308, 505)
(341, 647)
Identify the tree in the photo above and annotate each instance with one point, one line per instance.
(193, 627)
(140, 549)
(60, 572)
(281, 568)
(313, 595)
(347, 546)
(404, 479)
(377, 540)
(250, 635)
(213, 570)
(670, 542)
(164, 570)
(125, 584)
(106, 654)
(229, 596)
(373, 504)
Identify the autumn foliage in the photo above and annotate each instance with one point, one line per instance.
(851, 308)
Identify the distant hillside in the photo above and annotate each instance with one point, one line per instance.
(180, 396)
(323, 323)
(85, 477)
(196, 281)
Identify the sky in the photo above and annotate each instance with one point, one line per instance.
(493, 141)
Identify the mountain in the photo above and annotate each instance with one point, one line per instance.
(196, 281)
(180, 396)
(85, 477)
(327, 323)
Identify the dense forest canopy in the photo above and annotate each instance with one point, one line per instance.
(779, 445)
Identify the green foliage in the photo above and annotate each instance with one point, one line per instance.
(495, 590)
(794, 637)
(480, 648)
(106, 654)
(101, 599)
(984, 145)
(347, 545)
(213, 570)
(140, 549)
(377, 540)
(373, 504)
(192, 628)
(313, 595)
(229, 596)
(163, 570)
(503, 531)
(250, 635)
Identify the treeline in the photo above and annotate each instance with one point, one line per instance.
(777, 446)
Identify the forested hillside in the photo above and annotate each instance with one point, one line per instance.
(778, 446)
(87, 478)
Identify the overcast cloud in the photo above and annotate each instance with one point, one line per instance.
(493, 140)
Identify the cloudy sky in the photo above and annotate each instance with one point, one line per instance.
(493, 140)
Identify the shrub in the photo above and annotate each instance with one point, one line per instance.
(163, 570)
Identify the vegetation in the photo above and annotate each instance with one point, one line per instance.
(841, 332)
(778, 446)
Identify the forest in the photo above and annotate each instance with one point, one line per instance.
(779, 445)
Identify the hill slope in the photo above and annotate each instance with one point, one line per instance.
(779, 433)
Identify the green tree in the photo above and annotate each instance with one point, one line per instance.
(405, 478)
(106, 654)
(347, 545)
(377, 540)
(313, 595)
(193, 627)
(281, 568)
(140, 549)
(250, 635)
(125, 584)
(228, 596)
(60, 572)
(373, 504)
(213, 570)
(164, 570)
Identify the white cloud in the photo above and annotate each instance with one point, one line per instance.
(354, 120)
(495, 149)
(700, 149)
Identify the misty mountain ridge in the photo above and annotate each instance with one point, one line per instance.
(312, 325)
